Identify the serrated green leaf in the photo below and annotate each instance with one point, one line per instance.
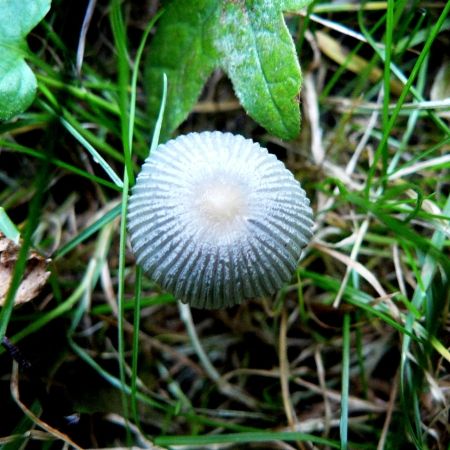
(248, 39)
(17, 81)
(257, 52)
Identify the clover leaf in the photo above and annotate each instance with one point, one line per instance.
(17, 81)
(248, 39)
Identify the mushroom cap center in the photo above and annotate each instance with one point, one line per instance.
(222, 203)
(221, 207)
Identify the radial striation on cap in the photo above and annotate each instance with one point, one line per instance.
(214, 218)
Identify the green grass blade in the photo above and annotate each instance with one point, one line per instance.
(7, 226)
(410, 374)
(134, 79)
(58, 163)
(118, 29)
(387, 80)
(135, 348)
(244, 438)
(138, 284)
(88, 232)
(158, 125)
(116, 382)
(345, 381)
(94, 153)
(123, 71)
(407, 88)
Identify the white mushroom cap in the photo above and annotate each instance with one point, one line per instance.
(214, 218)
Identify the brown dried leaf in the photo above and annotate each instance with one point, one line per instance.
(35, 276)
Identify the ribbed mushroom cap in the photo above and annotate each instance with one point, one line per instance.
(214, 218)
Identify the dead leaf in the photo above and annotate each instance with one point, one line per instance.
(35, 276)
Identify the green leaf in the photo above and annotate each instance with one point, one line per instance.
(179, 50)
(248, 39)
(17, 81)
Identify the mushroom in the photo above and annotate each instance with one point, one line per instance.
(214, 218)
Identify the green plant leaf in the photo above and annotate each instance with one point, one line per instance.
(178, 50)
(248, 39)
(17, 81)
